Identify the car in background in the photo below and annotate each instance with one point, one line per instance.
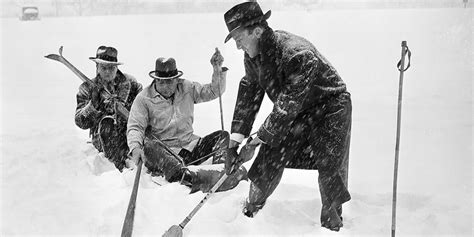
(29, 13)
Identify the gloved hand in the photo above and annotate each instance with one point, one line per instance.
(247, 152)
(95, 97)
(232, 162)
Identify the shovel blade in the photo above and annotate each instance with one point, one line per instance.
(174, 231)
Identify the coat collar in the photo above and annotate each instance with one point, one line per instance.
(120, 82)
(266, 43)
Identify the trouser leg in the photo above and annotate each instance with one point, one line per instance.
(210, 143)
(258, 197)
(206, 178)
(265, 176)
(160, 161)
(113, 142)
(343, 173)
(332, 143)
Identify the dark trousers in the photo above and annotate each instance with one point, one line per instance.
(112, 140)
(161, 162)
(210, 143)
(314, 142)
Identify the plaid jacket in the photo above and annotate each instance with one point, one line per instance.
(124, 86)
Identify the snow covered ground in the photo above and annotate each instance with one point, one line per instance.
(48, 187)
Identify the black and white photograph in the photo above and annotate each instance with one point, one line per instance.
(236, 118)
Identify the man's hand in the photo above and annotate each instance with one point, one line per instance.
(95, 97)
(233, 143)
(138, 154)
(217, 59)
(232, 161)
(247, 152)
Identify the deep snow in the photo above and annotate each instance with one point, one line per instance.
(48, 187)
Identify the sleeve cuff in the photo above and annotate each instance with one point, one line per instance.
(237, 137)
(267, 137)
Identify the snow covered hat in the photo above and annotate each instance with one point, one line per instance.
(242, 15)
(165, 68)
(106, 55)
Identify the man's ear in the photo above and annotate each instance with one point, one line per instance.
(257, 32)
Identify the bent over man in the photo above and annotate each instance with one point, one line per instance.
(309, 126)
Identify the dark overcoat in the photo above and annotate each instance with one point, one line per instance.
(309, 125)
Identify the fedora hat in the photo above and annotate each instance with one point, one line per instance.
(165, 68)
(242, 15)
(106, 55)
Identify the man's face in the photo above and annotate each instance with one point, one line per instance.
(166, 87)
(246, 41)
(107, 71)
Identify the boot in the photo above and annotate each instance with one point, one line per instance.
(206, 177)
(184, 176)
(331, 217)
(251, 209)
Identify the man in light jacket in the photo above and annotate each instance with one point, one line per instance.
(165, 110)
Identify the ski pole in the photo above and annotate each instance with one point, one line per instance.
(127, 227)
(224, 69)
(401, 68)
(177, 230)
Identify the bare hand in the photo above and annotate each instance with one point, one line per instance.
(138, 154)
(247, 151)
(233, 144)
(217, 59)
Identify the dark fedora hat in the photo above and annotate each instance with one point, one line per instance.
(242, 15)
(165, 68)
(106, 55)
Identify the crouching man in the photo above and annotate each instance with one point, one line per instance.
(96, 106)
(165, 110)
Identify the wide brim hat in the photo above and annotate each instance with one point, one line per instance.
(242, 15)
(106, 55)
(165, 68)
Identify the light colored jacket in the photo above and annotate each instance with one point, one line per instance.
(170, 120)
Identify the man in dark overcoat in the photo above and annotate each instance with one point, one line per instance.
(309, 126)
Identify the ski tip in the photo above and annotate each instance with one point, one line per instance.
(52, 57)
